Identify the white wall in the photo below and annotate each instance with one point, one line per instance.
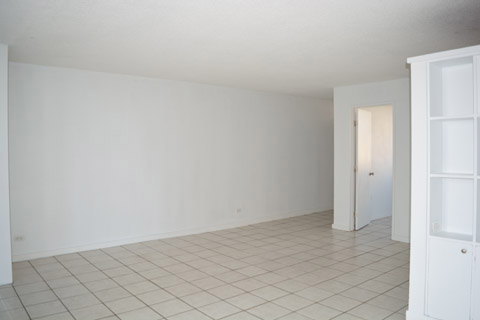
(102, 159)
(382, 161)
(397, 94)
(5, 244)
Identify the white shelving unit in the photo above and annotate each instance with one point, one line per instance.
(445, 272)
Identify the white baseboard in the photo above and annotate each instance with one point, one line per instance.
(341, 227)
(411, 316)
(400, 238)
(6, 280)
(170, 234)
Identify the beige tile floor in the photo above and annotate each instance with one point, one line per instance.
(296, 268)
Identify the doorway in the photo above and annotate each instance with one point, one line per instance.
(373, 178)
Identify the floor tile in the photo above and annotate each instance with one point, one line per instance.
(387, 302)
(291, 285)
(319, 312)
(128, 279)
(38, 297)
(171, 307)
(396, 316)
(81, 301)
(269, 293)
(92, 313)
(154, 297)
(293, 302)
(31, 288)
(200, 299)
(219, 310)
(62, 282)
(124, 305)
(7, 292)
(269, 311)
(294, 269)
(45, 309)
(399, 293)
(10, 303)
(313, 293)
(16, 314)
(70, 291)
(101, 285)
(341, 303)
(370, 312)
(58, 316)
(140, 314)
(208, 283)
(112, 294)
(294, 316)
(190, 315)
(183, 289)
(226, 291)
(91, 276)
(242, 316)
(347, 316)
(359, 294)
(246, 301)
(141, 287)
(168, 281)
(249, 284)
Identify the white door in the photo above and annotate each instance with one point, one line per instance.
(449, 279)
(363, 152)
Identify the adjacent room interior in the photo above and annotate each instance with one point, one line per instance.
(239, 160)
(373, 164)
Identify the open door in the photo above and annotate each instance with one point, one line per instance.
(363, 166)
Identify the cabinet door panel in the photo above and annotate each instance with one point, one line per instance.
(476, 286)
(449, 280)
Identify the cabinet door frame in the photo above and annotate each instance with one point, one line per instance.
(450, 268)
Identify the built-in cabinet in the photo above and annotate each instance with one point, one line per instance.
(445, 186)
(476, 286)
(445, 277)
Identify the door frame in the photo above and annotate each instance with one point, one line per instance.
(353, 150)
(355, 171)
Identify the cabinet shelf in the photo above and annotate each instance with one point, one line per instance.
(453, 175)
(451, 146)
(478, 213)
(452, 235)
(443, 118)
(451, 208)
(451, 88)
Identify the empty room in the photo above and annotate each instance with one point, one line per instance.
(239, 160)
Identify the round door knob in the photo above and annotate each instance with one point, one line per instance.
(464, 251)
(371, 174)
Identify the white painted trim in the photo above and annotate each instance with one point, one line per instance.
(6, 276)
(411, 316)
(418, 190)
(341, 227)
(170, 234)
(397, 237)
(456, 53)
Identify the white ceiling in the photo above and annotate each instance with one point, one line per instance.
(302, 47)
